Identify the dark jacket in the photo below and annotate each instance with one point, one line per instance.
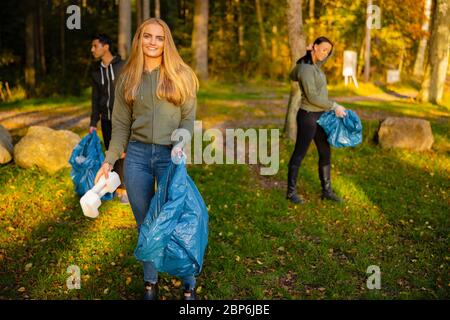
(103, 84)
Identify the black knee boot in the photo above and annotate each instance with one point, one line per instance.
(292, 182)
(325, 180)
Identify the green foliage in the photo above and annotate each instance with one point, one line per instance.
(231, 57)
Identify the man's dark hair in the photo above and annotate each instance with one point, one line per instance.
(103, 39)
(307, 58)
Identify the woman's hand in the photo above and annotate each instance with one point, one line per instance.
(340, 111)
(105, 169)
(177, 151)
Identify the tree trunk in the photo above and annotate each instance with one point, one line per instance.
(436, 70)
(42, 65)
(200, 39)
(138, 12)
(361, 58)
(157, 9)
(262, 33)
(274, 43)
(240, 29)
(420, 59)
(297, 48)
(145, 9)
(30, 70)
(62, 39)
(367, 50)
(402, 59)
(124, 28)
(311, 9)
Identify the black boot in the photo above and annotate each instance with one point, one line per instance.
(292, 181)
(189, 294)
(151, 291)
(325, 180)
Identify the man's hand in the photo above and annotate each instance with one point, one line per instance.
(92, 129)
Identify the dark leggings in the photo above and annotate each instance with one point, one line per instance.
(106, 133)
(307, 130)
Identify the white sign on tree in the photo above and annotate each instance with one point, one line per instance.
(393, 76)
(349, 68)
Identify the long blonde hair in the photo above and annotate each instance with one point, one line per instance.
(177, 81)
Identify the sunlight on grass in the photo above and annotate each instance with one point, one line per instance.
(260, 246)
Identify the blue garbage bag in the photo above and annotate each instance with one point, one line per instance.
(86, 159)
(342, 132)
(174, 234)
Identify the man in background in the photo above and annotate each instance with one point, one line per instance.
(104, 76)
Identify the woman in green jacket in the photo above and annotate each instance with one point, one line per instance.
(314, 102)
(155, 97)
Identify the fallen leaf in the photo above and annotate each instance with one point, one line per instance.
(176, 283)
(28, 266)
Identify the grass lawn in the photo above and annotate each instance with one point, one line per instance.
(395, 216)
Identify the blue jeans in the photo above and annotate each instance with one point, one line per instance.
(145, 162)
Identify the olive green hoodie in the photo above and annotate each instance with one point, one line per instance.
(313, 87)
(149, 120)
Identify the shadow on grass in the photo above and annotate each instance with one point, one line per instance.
(103, 249)
(63, 238)
(405, 209)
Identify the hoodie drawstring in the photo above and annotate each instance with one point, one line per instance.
(109, 95)
(101, 71)
(112, 72)
(103, 83)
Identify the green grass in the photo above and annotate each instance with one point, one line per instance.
(43, 104)
(395, 216)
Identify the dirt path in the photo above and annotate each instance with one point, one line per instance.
(70, 118)
(258, 112)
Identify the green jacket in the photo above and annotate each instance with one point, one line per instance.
(150, 120)
(313, 87)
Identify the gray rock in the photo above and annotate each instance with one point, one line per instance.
(405, 133)
(46, 148)
(6, 146)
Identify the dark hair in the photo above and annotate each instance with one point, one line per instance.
(307, 58)
(103, 39)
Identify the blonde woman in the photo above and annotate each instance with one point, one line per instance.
(155, 95)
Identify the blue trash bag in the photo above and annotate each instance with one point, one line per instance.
(174, 234)
(86, 159)
(342, 132)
